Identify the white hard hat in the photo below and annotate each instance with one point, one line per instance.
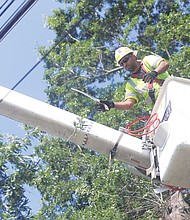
(122, 52)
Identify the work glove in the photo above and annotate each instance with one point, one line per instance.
(105, 105)
(149, 77)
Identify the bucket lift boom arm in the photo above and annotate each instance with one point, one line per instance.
(73, 128)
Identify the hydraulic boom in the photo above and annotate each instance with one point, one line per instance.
(73, 128)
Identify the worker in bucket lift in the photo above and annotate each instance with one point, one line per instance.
(146, 77)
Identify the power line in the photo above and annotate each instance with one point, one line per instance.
(3, 4)
(44, 56)
(6, 7)
(16, 17)
(41, 59)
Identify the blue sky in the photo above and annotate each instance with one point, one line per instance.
(18, 56)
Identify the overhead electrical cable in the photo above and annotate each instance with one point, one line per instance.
(3, 4)
(14, 13)
(6, 7)
(45, 55)
(16, 17)
(41, 59)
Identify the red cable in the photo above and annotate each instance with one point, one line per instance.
(175, 188)
(149, 123)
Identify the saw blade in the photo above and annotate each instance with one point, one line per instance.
(91, 97)
(87, 95)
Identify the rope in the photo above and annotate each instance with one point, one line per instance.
(149, 123)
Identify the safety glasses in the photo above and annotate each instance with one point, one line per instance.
(125, 60)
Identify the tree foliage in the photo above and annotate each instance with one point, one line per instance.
(16, 171)
(75, 183)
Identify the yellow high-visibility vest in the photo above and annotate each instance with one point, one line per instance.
(136, 87)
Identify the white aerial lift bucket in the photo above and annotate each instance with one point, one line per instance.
(172, 137)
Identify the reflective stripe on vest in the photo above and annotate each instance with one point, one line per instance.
(141, 91)
(146, 89)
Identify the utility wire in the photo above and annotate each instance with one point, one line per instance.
(13, 20)
(44, 56)
(41, 59)
(3, 4)
(6, 7)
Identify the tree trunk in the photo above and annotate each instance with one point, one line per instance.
(177, 208)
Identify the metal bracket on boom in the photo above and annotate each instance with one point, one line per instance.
(113, 152)
(153, 170)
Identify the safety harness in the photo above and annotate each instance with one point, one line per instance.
(151, 91)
